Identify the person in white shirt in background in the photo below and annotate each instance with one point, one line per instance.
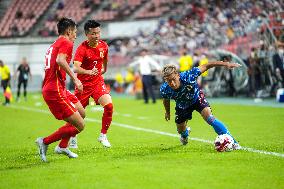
(146, 65)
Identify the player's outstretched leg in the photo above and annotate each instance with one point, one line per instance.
(65, 131)
(220, 129)
(217, 125)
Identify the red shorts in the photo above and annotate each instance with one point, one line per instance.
(95, 91)
(61, 103)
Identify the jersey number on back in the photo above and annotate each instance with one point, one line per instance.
(48, 58)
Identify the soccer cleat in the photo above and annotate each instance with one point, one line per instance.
(42, 148)
(183, 141)
(65, 151)
(236, 146)
(184, 136)
(103, 140)
(73, 142)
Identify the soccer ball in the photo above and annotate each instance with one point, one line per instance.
(224, 143)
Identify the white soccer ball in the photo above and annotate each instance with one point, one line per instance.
(224, 143)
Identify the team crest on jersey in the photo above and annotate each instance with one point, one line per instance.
(101, 53)
(189, 87)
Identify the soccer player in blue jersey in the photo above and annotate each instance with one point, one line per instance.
(183, 88)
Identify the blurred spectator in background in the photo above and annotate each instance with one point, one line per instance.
(60, 5)
(30, 15)
(145, 64)
(14, 30)
(23, 73)
(229, 77)
(119, 82)
(19, 14)
(262, 55)
(278, 62)
(253, 71)
(201, 81)
(5, 80)
(87, 3)
(185, 61)
(129, 82)
(137, 84)
(230, 33)
(203, 60)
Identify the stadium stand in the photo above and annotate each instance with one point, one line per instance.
(21, 16)
(157, 8)
(118, 10)
(74, 9)
(192, 26)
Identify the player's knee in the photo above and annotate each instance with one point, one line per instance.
(210, 119)
(81, 127)
(83, 115)
(108, 109)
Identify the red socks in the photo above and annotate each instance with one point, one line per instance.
(64, 142)
(68, 130)
(64, 132)
(107, 117)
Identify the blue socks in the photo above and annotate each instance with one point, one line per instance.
(218, 126)
(184, 134)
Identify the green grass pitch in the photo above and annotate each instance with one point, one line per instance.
(143, 158)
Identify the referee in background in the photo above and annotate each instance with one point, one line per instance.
(5, 80)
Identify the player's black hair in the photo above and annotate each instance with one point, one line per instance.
(91, 24)
(64, 24)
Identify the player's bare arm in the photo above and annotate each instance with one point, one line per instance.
(104, 69)
(166, 103)
(209, 65)
(61, 61)
(79, 70)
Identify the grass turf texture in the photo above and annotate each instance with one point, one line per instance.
(141, 159)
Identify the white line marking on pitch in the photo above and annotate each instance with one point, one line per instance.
(152, 131)
(100, 109)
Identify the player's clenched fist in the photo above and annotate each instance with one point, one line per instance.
(94, 71)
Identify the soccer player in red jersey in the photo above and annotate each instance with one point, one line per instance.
(63, 104)
(90, 62)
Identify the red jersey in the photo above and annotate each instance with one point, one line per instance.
(54, 75)
(91, 57)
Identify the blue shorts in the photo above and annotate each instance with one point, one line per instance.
(183, 115)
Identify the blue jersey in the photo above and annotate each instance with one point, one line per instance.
(187, 93)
